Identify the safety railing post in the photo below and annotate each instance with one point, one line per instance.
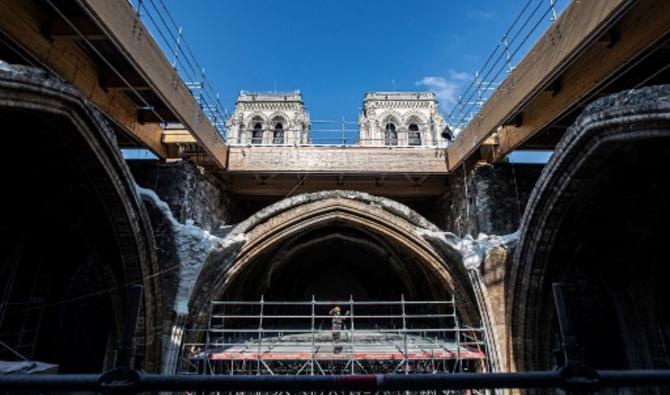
(509, 56)
(176, 49)
(260, 336)
(207, 337)
(351, 333)
(202, 88)
(404, 331)
(313, 348)
(552, 5)
(457, 327)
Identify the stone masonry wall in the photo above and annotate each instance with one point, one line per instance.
(191, 193)
(490, 198)
(191, 196)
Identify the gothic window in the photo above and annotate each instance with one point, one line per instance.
(257, 134)
(278, 134)
(390, 136)
(414, 134)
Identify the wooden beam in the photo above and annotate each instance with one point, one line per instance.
(22, 20)
(248, 186)
(58, 28)
(337, 160)
(647, 22)
(131, 80)
(124, 28)
(178, 136)
(580, 24)
(156, 115)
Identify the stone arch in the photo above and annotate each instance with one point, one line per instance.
(415, 117)
(286, 220)
(277, 117)
(391, 116)
(596, 221)
(416, 127)
(93, 223)
(279, 126)
(255, 118)
(285, 255)
(252, 133)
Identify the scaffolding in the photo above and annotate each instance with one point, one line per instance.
(311, 338)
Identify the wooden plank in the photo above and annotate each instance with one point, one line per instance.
(647, 22)
(580, 23)
(337, 160)
(178, 136)
(126, 30)
(21, 22)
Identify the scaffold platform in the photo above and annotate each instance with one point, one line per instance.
(266, 337)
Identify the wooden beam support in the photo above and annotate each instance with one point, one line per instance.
(336, 160)
(131, 80)
(155, 115)
(178, 136)
(647, 22)
(21, 21)
(124, 28)
(58, 28)
(580, 24)
(246, 185)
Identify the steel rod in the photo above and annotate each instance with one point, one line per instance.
(366, 382)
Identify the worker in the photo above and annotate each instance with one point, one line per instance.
(336, 313)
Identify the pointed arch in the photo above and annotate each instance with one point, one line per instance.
(387, 224)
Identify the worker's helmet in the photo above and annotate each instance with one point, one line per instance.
(337, 308)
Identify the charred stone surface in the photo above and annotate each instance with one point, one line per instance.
(598, 222)
(489, 198)
(195, 200)
(190, 192)
(75, 234)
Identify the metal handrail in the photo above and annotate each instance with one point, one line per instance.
(502, 59)
(332, 302)
(339, 133)
(298, 331)
(306, 317)
(170, 37)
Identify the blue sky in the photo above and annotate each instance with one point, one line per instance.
(335, 51)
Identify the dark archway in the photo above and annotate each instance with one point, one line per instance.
(297, 246)
(414, 134)
(257, 134)
(335, 262)
(390, 134)
(278, 134)
(74, 233)
(598, 222)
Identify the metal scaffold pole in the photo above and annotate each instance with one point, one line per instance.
(260, 336)
(351, 333)
(404, 334)
(283, 337)
(313, 347)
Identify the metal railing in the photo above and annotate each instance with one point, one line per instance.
(572, 375)
(338, 133)
(533, 19)
(170, 36)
